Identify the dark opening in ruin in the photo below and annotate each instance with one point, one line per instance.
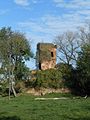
(40, 66)
(51, 54)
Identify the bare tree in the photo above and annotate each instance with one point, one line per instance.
(84, 33)
(68, 46)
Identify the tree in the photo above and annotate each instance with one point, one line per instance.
(14, 50)
(84, 34)
(68, 46)
(83, 68)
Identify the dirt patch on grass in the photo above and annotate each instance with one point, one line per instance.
(43, 91)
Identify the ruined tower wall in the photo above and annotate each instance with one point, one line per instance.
(46, 53)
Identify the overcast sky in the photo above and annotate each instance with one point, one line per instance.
(42, 20)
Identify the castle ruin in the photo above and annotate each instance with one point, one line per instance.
(46, 56)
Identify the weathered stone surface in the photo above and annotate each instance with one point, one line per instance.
(46, 53)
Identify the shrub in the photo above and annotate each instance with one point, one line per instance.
(4, 88)
(51, 78)
(67, 74)
(20, 86)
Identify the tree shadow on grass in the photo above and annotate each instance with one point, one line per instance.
(79, 118)
(9, 118)
(86, 107)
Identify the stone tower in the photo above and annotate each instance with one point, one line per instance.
(46, 56)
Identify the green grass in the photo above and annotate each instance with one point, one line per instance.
(26, 108)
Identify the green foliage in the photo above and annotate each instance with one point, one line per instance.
(78, 79)
(67, 74)
(21, 71)
(83, 68)
(14, 51)
(20, 86)
(4, 88)
(49, 78)
(66, 70)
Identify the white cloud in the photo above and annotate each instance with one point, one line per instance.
(58, 1)
(77, 10)
(48, 26)
(2, 12)
(59, 24)
(52, 25)
(33, 25)
(73, 3)
(84, 12)
(34, 1)
(22, 2)
(25, 2)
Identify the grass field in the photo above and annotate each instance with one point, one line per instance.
(25, 107)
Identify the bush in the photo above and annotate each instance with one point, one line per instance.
(20, 87)
(51, 78)
(67, 74)
(4, 89)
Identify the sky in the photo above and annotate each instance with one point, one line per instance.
(43, 20)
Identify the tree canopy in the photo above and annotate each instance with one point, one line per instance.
(83, 68)
(15, 49)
